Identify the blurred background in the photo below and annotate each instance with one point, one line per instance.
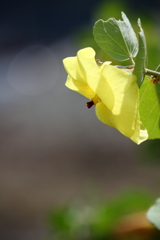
(61, 170)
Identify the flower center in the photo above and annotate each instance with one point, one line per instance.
(94, 101)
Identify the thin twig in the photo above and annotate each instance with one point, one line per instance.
(151, 72)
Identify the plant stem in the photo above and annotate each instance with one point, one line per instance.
(131, 60)
(147, 71)
(151, 72)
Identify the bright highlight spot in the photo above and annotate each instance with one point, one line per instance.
(34, 71)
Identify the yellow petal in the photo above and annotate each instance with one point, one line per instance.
(93, 74)
(137, 134)
(140, 134)
(87, 64)
(101, 87)
(80, 87)
(115, 91)
(104, 114)
(86, 53)
(122, 84)
(72, 68)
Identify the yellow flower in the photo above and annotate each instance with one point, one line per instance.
(113, 91)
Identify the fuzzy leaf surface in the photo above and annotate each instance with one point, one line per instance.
(117, 38)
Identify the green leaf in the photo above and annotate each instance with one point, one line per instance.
(116, 38)
(139, 69)
(150, 107)
(153, 214)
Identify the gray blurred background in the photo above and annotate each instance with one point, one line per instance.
(52, 148)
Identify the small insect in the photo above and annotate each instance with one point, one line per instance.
(155, 79)
(99, 63)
